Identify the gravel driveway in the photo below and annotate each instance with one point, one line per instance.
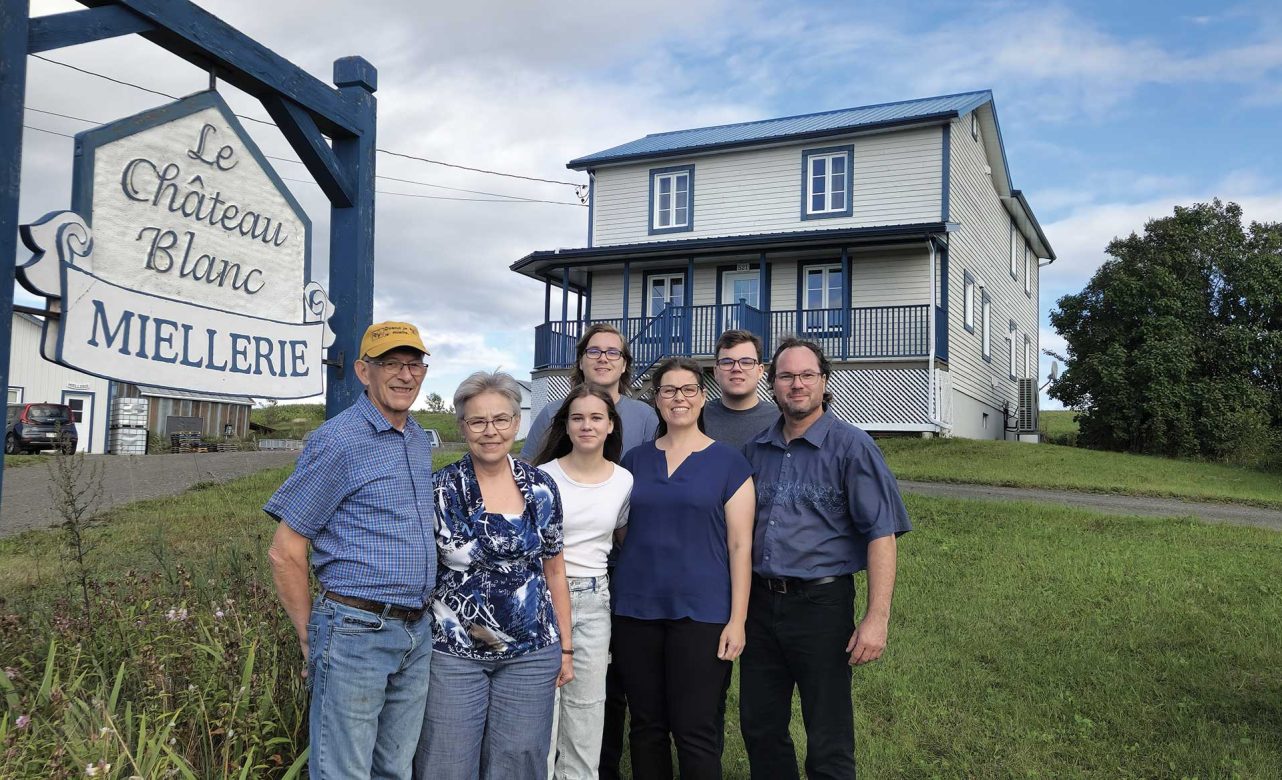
(126, 478)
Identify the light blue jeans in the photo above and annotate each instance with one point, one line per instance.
(580, 707)
(368, 677)
(489, 719)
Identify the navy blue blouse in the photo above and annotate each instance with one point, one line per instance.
(674, 563)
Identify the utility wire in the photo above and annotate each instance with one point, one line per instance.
(576, 185)
(499, 197)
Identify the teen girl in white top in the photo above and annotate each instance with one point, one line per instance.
(583, 444)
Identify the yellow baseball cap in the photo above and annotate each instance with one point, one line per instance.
(385, 336)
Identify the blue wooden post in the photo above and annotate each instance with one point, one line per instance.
(627, 294)
(351, 234)
(688, 331)
(846, 285)
(13, 87)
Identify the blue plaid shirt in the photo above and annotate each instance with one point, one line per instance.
(362, 493)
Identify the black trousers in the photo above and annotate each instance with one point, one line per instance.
(798, 639)
(676, 688)
(616, 717)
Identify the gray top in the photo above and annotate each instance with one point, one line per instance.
(735, 427)
(639, 425)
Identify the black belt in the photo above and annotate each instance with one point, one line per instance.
(791, 584)
(377, 607)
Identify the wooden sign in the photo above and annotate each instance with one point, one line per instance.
(195, 275)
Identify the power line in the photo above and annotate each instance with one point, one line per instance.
(576, 185)
(501, 197)
(50, 132)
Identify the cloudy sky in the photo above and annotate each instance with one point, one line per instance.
(1112, 114)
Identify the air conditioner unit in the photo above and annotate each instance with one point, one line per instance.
(1027, 415)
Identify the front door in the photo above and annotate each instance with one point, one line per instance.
(82, 413)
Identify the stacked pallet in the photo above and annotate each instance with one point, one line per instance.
(128, 426)
(186, 441)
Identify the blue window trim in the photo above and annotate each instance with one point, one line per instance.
(1028, 343)
(968, 296)
(1011, 338)
(93, 408)
(804, 332)
(986, 327)
(649, 274)
(806, 154)
(722, 270)
(689, 225)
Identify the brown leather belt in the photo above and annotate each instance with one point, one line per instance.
(791, 584)
(377, 607)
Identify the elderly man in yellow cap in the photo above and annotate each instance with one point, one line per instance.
(361, 497)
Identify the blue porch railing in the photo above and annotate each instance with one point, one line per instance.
(859, 333)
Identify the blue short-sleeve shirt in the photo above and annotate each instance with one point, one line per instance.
(362, 493)
(674, 562)
(820, 499)
(492, 600)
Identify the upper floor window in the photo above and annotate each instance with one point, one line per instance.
(1029, 371)
(1016, 244)
(672, 199)
(974, 126)
(1028, 271)
(825, 182)
(968, 303)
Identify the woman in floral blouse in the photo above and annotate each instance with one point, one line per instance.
(501, 610)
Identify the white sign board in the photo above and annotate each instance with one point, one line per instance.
(195, 273)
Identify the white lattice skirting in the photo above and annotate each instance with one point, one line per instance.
(882, 399)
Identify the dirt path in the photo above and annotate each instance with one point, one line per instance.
(1235, 514)
(126, 478)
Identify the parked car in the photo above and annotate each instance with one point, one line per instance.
(40, 426)
(433, 437)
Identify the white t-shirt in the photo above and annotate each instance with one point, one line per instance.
(592, 513)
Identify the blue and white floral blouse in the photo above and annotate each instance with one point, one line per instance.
(492, 601)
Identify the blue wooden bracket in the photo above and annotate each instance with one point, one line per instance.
(302, 133)
(76, 27)
(208, 42)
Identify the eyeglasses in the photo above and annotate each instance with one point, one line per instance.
(611, 354)
(807, 378)
(393, 367)
(746, 363)
(670, 391)
(479, 424)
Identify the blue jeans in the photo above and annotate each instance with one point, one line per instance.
(489, 719)
(368, 677)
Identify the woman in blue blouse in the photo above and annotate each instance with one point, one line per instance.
(501, 609)
(682, 582)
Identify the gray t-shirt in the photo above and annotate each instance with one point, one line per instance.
(735, 427)
(639, 425)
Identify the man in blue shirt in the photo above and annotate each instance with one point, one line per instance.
(827, 507)
(361, 496)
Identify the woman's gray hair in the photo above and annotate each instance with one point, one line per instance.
(487, 382)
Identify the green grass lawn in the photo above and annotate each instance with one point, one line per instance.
(1026, 641)
(1057, 424)
(16, 461)
(1070, 468)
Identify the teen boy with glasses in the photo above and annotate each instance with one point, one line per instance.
(739, 414)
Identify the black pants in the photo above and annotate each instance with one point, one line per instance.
(676, 688)
(616, 717)
(798, 639)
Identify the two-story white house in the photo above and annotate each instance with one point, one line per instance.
(890, 234)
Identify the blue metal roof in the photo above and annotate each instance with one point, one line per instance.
(825, 123)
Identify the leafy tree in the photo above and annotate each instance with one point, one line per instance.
(434, 402)
(1175, 345)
